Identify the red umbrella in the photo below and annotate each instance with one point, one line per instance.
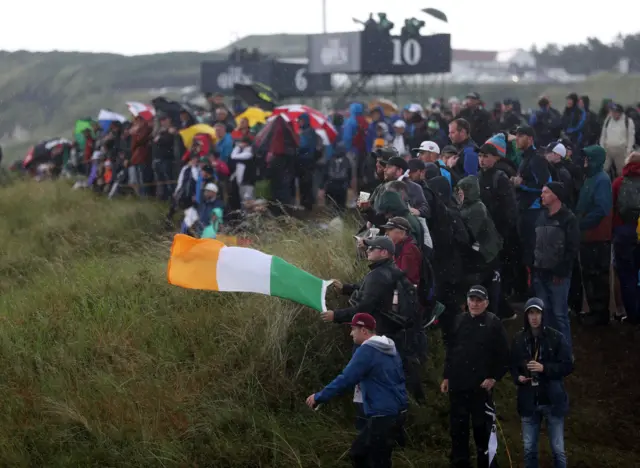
(318, 120)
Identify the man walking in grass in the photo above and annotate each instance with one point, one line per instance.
(376, 367)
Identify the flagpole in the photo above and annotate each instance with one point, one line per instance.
(324, 16)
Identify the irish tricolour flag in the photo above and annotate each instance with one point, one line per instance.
(210, 265)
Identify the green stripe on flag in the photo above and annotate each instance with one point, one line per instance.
(289, 282)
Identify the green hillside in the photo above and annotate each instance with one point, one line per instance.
(104, 364)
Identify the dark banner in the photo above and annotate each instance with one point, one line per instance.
(410, 55)
(291, 79)
(286, 79)
(377, 52)
(219, 77)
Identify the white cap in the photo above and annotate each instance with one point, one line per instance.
(399, 124)
(428, 146)
(560, 149)
(211, 187)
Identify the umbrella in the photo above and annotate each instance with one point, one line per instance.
(254, 115)
(437, 14)
(173, 109)
(188, 133)
(82, 125)
(277, 135)
(317, 119)
(389, 107)
(106, 116)
(146, 111)
(256, 94)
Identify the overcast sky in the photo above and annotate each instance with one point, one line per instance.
(141, 27)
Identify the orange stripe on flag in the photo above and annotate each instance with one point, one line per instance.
(193, 263)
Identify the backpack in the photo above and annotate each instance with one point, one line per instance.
(629, 199)
(405, 305)
(338, 170)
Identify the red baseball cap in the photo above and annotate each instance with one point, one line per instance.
(365, 320)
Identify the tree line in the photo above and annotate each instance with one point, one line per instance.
(592, 56)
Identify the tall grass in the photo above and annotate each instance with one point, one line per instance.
(105, 364)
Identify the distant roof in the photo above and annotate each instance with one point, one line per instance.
(474, 55)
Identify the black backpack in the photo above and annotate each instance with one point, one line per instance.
(405, 306)
(629, 199)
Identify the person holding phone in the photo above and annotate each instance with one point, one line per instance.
(540, 360)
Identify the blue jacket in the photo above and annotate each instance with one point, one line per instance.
(308, 139)
(377, 367)
(535, 174)
(468, 158)
(573, 122)
(595, 201)
(444, 171)
(554, 354)
(350, 127)
(225, 147)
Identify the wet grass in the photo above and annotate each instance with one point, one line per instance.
(105, 364)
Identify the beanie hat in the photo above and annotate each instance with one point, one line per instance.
(499, 143)
(557, 188)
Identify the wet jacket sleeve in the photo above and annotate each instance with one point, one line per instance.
(353, 374)
(418, 200)
(470, 161)
(562, 364)
(515, 359)
(499, 351)
(572, 247)
(540, 175)
(601, 204)
(506, 201)
(372, 292)
(579, 126)
(410, 261)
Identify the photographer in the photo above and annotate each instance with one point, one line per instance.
(540, 359)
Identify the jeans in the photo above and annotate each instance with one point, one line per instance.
(556, 308)
(376, 440)
(531, 433)
(627, 263)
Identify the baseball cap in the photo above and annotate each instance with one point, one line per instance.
(525, 130)
(416, 165)
(362, 319)
(397, 161)
(211, 187)
(428, 146)
(399, 124)
(558, 148)
(380, 242)
(473, 95)
(534, 303)
(397, 222)
(449, 149)
(478, 291)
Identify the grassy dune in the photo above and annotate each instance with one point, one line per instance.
(102, 363)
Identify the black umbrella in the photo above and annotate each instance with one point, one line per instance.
(172, 109)
(277, 135)
(257, 95)
(436, 14)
